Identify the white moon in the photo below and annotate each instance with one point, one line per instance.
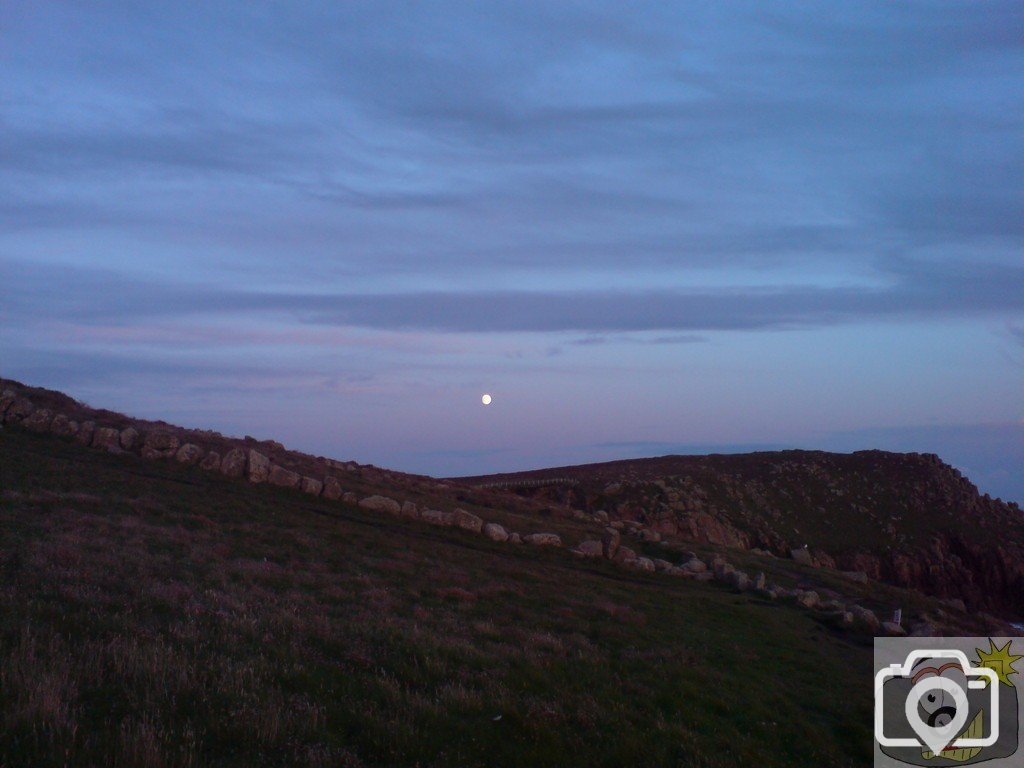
(486, 399)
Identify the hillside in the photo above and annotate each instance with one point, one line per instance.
(908, 519)
(159, 609)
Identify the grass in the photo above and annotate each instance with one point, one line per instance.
(153, 615)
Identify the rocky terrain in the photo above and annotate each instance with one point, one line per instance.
(907, 519)
(174, 596)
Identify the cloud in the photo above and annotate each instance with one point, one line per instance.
(916, 291)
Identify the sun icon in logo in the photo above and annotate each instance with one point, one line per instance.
(999, 660)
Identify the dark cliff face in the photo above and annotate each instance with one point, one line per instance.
(908, 519)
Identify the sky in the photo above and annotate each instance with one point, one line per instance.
(643, 228)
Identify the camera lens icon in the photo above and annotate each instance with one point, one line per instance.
(936, 709)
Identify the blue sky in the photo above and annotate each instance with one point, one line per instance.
(644, 229)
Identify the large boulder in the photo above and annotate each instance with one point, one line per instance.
(332, 488)
(259, 467)
(107, 438)
(865, 620)
(589, 548)
(210, 462)
(39, 420)
(808, 599)
(644, 564)
(738, 579)
(283, 477)
(624, 556)
(467, 520)
(19, 410)
(63, 426)
(495, 532)
(189, 454)
(694, 565)
(233, 463)
(159, 443)
(381, 504)
(129, 436)
(436, 517)
(311, 485)
(543, 539)
(611, 539)
(85, 432)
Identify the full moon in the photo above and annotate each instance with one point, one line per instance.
(486, 399)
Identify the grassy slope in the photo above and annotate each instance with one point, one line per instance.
(154, 615)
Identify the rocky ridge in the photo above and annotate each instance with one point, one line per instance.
(268, 462)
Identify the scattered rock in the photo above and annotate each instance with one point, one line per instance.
(85, 432)
(857, 576)
(662, 565)
(808, 599)
(760, 582)
(210, 462)
(161, 441)
(259, 467)
(601, 516)
(802, 555)
(467, 520)
(63, 426)
(39, 420)
(107, 438)
(349, 497)
(332, 488)
(19, 409)
(311, 485)
(515, 538)
(892, 629)
(436, 517)
(610, 541)
(282, 477)
(543, 539)
(589, 548)
(189, 453)
(624, 555)
(495, 532)
(646, 534)
(644, 564)
(233, 463)
(694, 565)
(722, 569)
(765, 592)
(409, 509)
(925, 629)
(6, 398)
(956, 604)
(381, 504)
(865, 619)
(129, 436)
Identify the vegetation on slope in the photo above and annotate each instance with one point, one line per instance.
(154, 615)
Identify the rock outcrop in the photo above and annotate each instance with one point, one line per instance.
(381, 504)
